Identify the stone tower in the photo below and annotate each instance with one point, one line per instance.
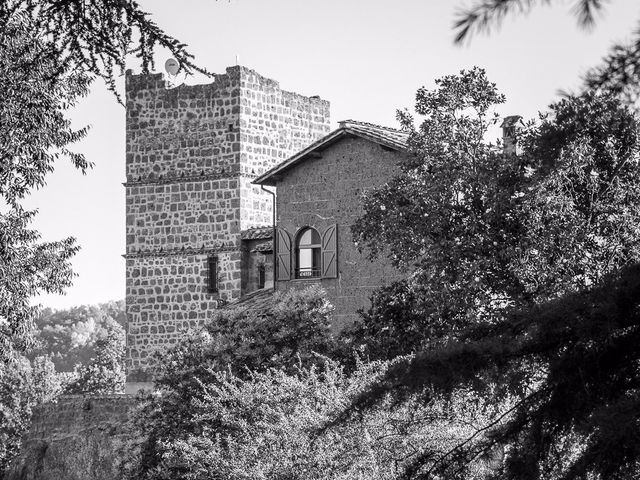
(192, 152)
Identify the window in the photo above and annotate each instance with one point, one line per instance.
(310, 255)
(213, 274)
(308, 248)
(261, 276)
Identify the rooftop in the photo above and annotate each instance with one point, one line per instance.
(387, 137)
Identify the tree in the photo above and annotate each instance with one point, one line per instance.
(619, 72)
(486, 231)
(33, 134)
(573, 362)
(527, 258)
(23, 385)
(105, 373)
(51, 49)
(69, 336)
(94, 37)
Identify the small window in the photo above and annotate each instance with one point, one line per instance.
(213, 274)
(308, 253)
(261, 276)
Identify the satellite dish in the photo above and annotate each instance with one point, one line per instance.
(172, 66)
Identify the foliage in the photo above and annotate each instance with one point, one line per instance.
(281, 332)
(23, 385)
(104, 373)
(284, 331)
(262, 426)
(486, 231)
(507, 250)
(51, 49)
(573, 362)
(94, 37)
(69, 336)
(619, 72)
(34, 133)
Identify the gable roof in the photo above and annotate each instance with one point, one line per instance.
(385, 136)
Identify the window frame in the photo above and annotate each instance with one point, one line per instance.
(316, 255)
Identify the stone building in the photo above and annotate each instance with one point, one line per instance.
(193, 217)
(201, 166)
(318, 201)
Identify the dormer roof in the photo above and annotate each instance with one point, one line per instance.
(387, 137)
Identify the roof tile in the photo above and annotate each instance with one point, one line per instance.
(256, 233)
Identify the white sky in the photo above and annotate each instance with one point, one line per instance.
(366, 57)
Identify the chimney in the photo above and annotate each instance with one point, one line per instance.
(511, 125)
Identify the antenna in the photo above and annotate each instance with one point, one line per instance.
(172, 67)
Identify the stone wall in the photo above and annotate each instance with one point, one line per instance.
(321, 192)
(192, 152)
(74, 439)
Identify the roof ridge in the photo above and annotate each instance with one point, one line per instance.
(344, 123)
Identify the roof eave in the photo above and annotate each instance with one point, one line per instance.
(271, 177)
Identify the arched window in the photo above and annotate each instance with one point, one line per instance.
(308, 253)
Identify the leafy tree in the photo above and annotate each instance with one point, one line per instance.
(507, 251)
(93, 37)
(619, 72)
(485, 231)
(573, 362)
(105, 373)
(69, 336)
(23, 385)
(51, 50)
(33, 133)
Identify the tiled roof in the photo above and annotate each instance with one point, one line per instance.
(385, 135)
(388, 137)
(257, 233)
(260, 300)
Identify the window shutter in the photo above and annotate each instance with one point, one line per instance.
(330, 252)
(283, 255)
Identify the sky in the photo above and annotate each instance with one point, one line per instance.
(367, 58)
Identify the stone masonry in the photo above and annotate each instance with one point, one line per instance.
(76, 438)
(326, 190)
(192, 153)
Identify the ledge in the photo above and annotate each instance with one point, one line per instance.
(170, 252)
(170, 179)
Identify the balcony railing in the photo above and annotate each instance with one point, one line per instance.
(307, 272)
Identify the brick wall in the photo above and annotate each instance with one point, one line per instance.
(192, 152)
(320, 192)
